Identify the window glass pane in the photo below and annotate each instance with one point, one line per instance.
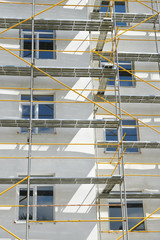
(116, 213)
(129, 122)
(45, 197)
(23, 201)
(125, 77)
(120, 7)
(38, 97)
(131, 133)
(45, 111)
(45, 44)
(135, 210)
(43, 97)
(25, 97)
(104, 6)
(111, 135)
(27, 44)
(26, 115)
(26, 111)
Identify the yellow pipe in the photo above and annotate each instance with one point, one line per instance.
(131, 175)
(141, 115)
(45, 157)
(156, 81)
(73, 51)
(84, 40)
(54, 39)
(35, 50)
(139, 71)
(118, 162)
(111, 10)
(71, 158)
(112, 231)
(72, 221)
(117, 148)
(64, 205)
(130, 218)
(14, 185)
(132, 163)
(130, 230)
(56, 89)
(25, 101)
(10, 232)
(48, 4)
(51, 102)
(143, 40)
(141, 30)
(60, 144)
(142, 175)
(108, 8)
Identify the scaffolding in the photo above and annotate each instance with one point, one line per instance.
(108, 103)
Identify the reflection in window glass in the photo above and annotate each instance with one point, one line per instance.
(44, 197)
(23, 201)
(45, 44)
(134, 209)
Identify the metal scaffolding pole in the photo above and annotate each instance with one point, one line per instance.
(122, 186)
(30, 124)
(155, 28)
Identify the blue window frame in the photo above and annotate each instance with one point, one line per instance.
(120, 7)
(39, 196)
(131, 134)
(134, 209)
(41, 110)
(126, 79)
(43, 40)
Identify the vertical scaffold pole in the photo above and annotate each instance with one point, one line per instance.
(30, 124)
(155, 28)
(120, 135)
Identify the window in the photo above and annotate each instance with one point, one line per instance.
(134, 209)
(120, 7)
(43, 40)
(126, 79)
(131, 134)
(41, 110)
(38, 196)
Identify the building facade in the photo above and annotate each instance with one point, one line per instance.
(79, 120)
